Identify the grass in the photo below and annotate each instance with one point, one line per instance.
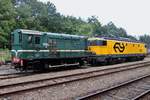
(5, 55)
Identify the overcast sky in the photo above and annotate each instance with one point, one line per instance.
(133, 15)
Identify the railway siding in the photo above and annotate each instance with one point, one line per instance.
(54, 75)
(129, 90)
(71, 85)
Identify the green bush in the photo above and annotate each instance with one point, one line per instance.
(5, 55)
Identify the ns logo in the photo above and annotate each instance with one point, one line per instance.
(119, 47)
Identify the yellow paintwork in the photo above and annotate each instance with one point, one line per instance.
(130, 48)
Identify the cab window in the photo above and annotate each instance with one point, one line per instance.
(101, 42)
(20, 36)
(104, 43)
(92, 43)
(98, 43)
(37, 40)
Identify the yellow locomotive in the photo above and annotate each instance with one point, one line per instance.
(108, 50)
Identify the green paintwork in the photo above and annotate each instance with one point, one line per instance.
(56, 45)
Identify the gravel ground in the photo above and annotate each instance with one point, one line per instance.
(6, 69)
(70, 90)
(146, 97)
(126, 92)
(62, 73)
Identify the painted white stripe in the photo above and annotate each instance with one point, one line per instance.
(71, 50)
(19, 51)
(48, 50)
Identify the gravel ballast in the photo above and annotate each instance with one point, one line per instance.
(74, 89)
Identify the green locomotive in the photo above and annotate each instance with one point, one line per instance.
(41, 50)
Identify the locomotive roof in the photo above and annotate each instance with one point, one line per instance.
(121, 39)
(24, 31)
(95, 38)
(64, 35)
(117, 39)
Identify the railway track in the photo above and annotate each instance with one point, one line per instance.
(142, 95)
(130, 90)
(21, 86)
(15, 75)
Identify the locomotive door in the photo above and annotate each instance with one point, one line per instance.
(49, 44)
(52, 46)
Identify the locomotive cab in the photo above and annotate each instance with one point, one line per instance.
(23, 43)
(95, 43)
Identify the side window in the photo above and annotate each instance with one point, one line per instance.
(101, 43)
(20, 36)
(97, 42)
(90, 43)
(50, 42)
(93, 43)
(37, 40)
(30, 39)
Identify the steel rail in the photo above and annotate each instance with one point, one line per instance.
(98, 92)
(63, 79)
(141, 95)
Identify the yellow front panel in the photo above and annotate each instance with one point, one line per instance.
(119, 47)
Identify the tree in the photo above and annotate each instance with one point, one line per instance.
(96, 25)
(7, 21)
(146, 39)
(35, 15)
